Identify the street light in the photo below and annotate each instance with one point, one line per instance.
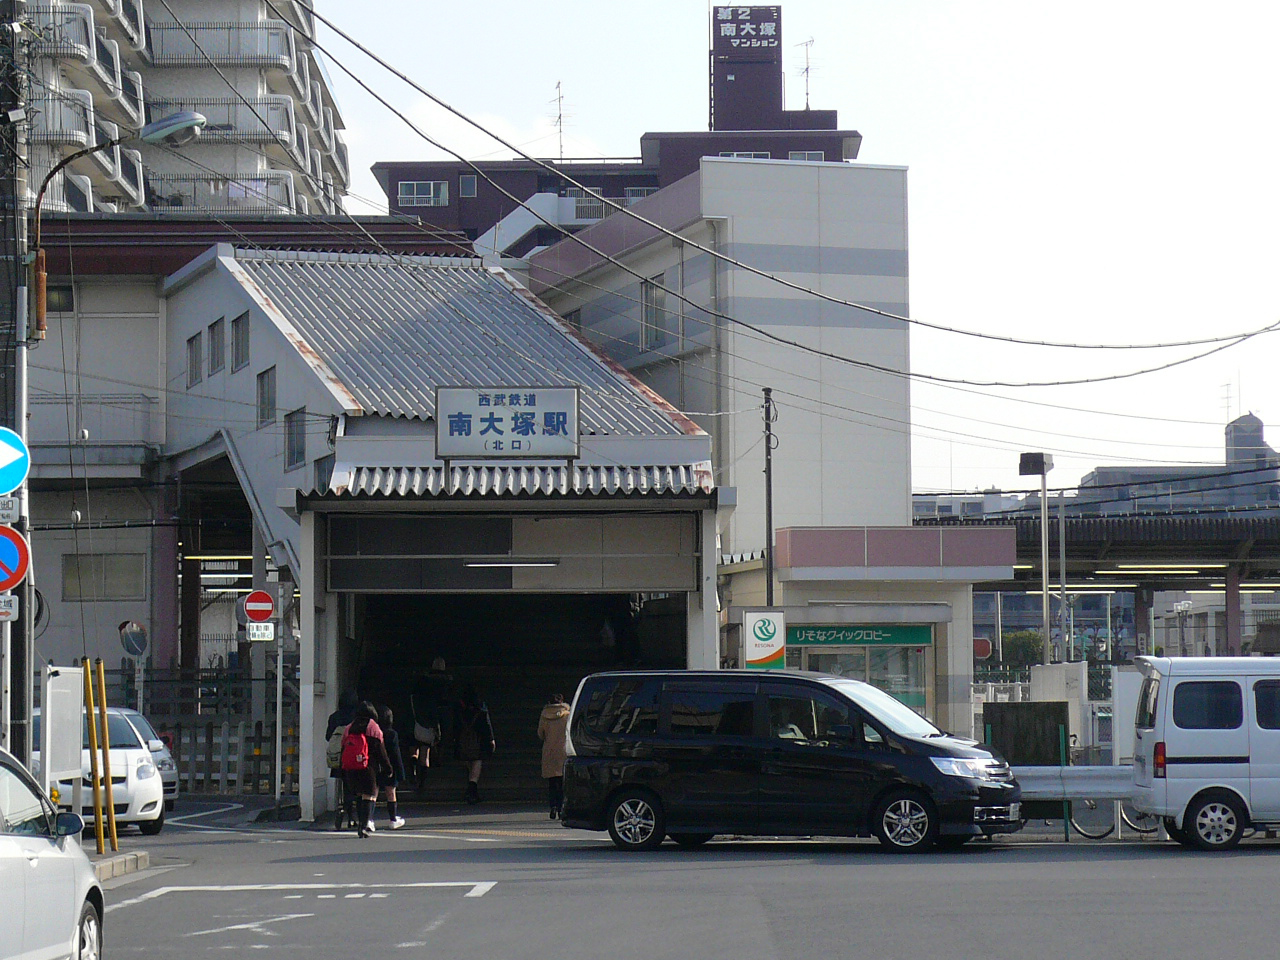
(1030, 465)
(175, 130)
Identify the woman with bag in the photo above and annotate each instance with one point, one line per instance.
(394, 775)
(363, 755)
(474, 737)
(429, 703)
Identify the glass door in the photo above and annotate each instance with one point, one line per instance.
(901, 671)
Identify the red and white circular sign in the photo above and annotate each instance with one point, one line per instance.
(259, 606)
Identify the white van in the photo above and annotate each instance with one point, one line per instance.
(1206, 753)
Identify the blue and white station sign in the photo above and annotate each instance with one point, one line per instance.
(15, 461)
(506, 423)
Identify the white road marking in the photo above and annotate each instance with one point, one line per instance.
(225, 808)
(478, 888)
(353, 896)
(293, 896)
(431, 927)
(256, 925)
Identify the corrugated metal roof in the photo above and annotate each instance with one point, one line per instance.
(392, 329)
(516, 480)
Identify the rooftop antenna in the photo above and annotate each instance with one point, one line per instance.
(808, 45)
(1226, 399)
(559, 102)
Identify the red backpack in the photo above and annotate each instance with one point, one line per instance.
(355, 751)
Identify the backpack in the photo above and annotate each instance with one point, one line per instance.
(333, 749)
(355, 751)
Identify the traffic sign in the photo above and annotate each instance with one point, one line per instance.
(259, 606)
(8, 608)
(15, 558)
(10, 510)
(261, 632)
(15, 461)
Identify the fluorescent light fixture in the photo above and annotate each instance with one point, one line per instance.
(513, 564)
(1023, 566)
(1219, 593)
(1171, 566)
(1076, 592)
(1145, 571)
(219, 556)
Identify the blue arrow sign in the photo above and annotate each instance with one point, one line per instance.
(15, 461)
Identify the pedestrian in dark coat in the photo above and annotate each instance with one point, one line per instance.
(473, 740)
(346, 712)
(361, 779)
(389, 779)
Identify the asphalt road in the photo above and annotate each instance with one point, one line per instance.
(498, 884)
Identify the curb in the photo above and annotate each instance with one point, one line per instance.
(117, 866)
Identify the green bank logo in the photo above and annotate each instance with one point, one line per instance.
(765, 631)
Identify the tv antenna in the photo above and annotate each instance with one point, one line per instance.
(808, 69)
(559, 102)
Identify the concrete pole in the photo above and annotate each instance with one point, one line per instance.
(1044, 564)
(1068, 640)
(1235, 641)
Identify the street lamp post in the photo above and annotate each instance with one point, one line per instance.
(1030, 465)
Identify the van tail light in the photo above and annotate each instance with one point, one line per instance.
(1158, 766)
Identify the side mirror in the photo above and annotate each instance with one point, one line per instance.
(68, 825)
(841, 731)
(155, 746)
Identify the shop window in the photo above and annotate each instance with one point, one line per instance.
(99, 576)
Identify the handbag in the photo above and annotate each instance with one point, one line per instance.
(425, 735)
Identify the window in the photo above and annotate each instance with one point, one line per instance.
(60, 300)
(653, 320)
(623, 708)
(725, 712)
(807, 155)
(637, 193)
(100, 576)
(1266, 700)
(22, 811)
(267, 396)
(217, 345)
(1148, 700)
(467, 185)
(295, 438)
(804, 717)
(195, 360)
(1208, 705)
(747, 154)
(240, 342)
(574, 319)
(423, 193)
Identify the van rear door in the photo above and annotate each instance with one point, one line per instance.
(1146, 723)
(1206, 738)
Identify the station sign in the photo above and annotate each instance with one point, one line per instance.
(507, 423)
(15, 558)
(764, 639)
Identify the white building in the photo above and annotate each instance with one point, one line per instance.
(102, 69)
(864, 593)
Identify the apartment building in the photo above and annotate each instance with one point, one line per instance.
(101, 69)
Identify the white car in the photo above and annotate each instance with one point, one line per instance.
(136, 786)
(159, 753)
(51, 903)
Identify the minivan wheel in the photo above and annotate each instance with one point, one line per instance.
(89, 934)
(691, 840)
(636, 821)
(905, 822)
(1215, 821)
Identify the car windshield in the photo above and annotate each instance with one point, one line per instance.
(123, 736)
(143, 726)
(894, 714)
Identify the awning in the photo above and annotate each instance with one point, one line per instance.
(513, 480)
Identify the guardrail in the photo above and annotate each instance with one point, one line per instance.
(1075, 783)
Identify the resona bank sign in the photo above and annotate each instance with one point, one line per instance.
(506, 423)
(764, 640)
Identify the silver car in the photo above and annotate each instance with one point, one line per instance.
(160, 754)
(51, 903)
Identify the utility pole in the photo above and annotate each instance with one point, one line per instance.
(19, 652)
(1030, 465)
(770, 415)
(1068, 639)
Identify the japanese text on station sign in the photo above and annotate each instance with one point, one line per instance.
(506, 422)
(746, 33)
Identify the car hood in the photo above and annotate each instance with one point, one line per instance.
(953, 746)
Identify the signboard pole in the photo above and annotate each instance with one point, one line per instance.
(6, 704)
(279, 715)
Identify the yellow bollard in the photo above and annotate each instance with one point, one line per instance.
(106, 757)
(91, 719)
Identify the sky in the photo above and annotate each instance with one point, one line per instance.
(1089, 173)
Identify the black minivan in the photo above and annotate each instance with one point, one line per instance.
(690, 754)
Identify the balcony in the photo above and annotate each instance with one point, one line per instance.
(104, 163)
(119, 420)
(324, 130)
(315, 102)
(340, 163)
(231, 121)
(267, 44)
(130, 99)
(271, 192)
(63, 120)
(132, 179)
(64, 31)
(123, 18)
